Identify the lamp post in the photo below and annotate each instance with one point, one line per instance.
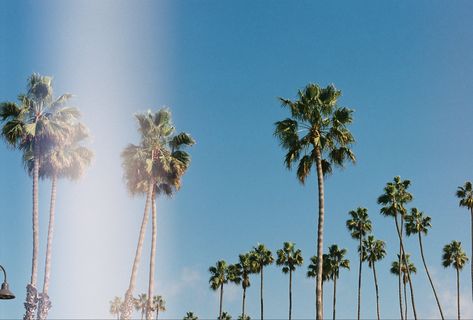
(5, 293)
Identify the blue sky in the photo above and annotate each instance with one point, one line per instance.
(406, 69)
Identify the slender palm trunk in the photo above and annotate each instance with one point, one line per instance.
(157, 312)
(31, 291)
(243, 304)
(44, 304)
(377, 292)
(221, 301)
(458, 292)
(127, 305)
(334, 296)
(399, 271)
(428, 275)
(261, 293)
(290, 294)
(407, 268)
(152, 260)
(320, 237)
(359, 279)
(405, 300)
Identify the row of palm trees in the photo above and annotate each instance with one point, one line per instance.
(141, 305)
(48, 133)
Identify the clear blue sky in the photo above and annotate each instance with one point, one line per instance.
(405, 67)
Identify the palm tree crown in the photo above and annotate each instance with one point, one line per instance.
(324, 124)
(289, 257)
(190, 316)
(374, 250)
(410, 266)
(336, 260)
(260, 257)
(218, 275)
(115, 306)
(416, 222)
(453, 255)
(465, 194)
(360, 224)
(246, 269)
(395, 196)
(326, 268)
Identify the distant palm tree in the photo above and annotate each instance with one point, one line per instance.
(417, 223)
(359, 226)
(141, 304)
(190, 316)
(115, 306)
(453, 255)
(393, 199)
(336, 260)
(261, 257)
(313, 267)
(225, 316)
(326, 142)
(465, 194)
(246, 270)
(374, 251)
(221, 274)
(159, 304)
(245, 317)
(69, 161)
(407, 268)
(33, 126)
(154, 167)
(289, 258)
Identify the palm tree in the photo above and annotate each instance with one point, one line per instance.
(417, 223)
(246, 270)
(289, 258)
(115, 306)
(313, 267)
(453, 255)
(393, 199)
(326, 142)
(154, 167)
(245, 317)
(374, 251)
(225, 316)
(190, 316)
(141, 304)
(465, 194)
(406, 267)
(219, 275)
(69, 161)
(159, 304)
(260, 258)
(359, 226)
(33, 126)
(336, 260)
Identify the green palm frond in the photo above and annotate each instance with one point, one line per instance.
(453, 255)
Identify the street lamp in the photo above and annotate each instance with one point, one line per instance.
(5, 293)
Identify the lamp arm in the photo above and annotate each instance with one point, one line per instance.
(4, 273)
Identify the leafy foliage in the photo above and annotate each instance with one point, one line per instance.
(373, 249)
(453, 255)
(395, 197)
(405, 266)
(289, 258)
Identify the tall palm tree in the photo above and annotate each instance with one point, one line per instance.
(465, 194)
(115, 306)
(219, 275)
(394, 199)
(359, 226)
(246, 270)
(417, 223)
(141, 304)
(260, 258)
(453, 255)
(154, 167)
(406, 267)
(159, 304)
(336, 260)
(68, 161)
(374, 251)
(289, 258)
(33, 126)
(190, 316)
(316, 134)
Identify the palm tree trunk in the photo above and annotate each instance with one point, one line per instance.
(458, 292)
(428, 275)
(221, 301)
(152, 260)
(243, 304)
(334, 296)
(320, 237)
(359, 280)
(290, 294)
(400, 273)
(157, 312)
(377, 292)
(31, 292)
(261, 293)
(128, 301)
(405, 300)
(44, 304)
(403, 256)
